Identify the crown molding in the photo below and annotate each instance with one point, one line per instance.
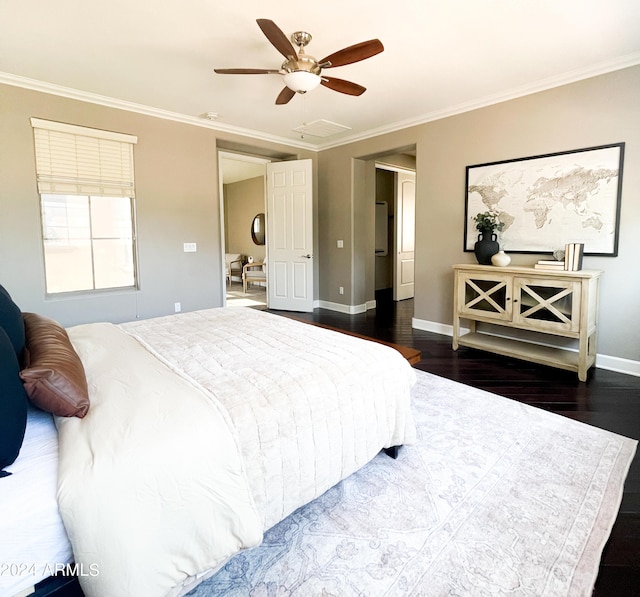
(601, 68)
(109, 102)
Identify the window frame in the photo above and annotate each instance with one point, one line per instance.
(75, 161)
(93, 290)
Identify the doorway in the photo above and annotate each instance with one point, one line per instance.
(267, 204)
(243, 206)
(395, 235)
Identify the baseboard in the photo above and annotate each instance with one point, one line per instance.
(348, 309)
(432, 326)
(603, 361)
(627, 366)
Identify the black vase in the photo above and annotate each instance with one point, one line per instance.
(486, 247)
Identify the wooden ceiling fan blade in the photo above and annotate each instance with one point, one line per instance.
(277, 38)
(245, 71)
(285, 96)
(343, 86)
(354, 53)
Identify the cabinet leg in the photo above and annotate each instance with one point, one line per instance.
(456, 333)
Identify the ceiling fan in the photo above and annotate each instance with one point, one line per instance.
(302, 72)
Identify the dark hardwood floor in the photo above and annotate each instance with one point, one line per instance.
(607, 400)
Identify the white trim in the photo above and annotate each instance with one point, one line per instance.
(223, 265)
(602, 68)
(603, 361)
(83, 131)
(109, 102)
(241, 157)
(627, 366)
(340, 308)
(432, 326)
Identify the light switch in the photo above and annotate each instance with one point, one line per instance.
(190, 247)
(340, 244)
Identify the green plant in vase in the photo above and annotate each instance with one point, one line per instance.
(487, 224)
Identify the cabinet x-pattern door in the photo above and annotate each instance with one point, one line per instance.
(547, 305)
(486, 296)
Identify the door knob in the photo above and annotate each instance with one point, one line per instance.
(307, 256)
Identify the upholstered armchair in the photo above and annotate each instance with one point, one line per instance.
(253, 272)
(233, 265)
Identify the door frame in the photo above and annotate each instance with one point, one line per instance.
(397, 169)
(239, 157)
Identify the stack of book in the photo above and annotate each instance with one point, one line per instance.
(573, 253)
(550, 264)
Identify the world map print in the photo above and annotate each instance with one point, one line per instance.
(548, 201)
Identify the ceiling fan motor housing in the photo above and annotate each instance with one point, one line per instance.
(301, 72)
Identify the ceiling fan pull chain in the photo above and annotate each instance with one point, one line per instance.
(303, 111)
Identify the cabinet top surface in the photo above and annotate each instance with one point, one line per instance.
(528, 271)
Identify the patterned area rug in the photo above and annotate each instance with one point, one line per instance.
(496, 498)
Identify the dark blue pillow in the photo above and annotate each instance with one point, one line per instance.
(12, 323)
(13, 404)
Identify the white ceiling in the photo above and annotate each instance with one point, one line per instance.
(441, 57)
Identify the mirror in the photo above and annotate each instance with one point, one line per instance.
(257, 230)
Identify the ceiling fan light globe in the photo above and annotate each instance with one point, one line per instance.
(301, 81)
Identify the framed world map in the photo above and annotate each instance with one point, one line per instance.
(547, 201)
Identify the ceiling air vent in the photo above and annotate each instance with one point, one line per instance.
(321, 128)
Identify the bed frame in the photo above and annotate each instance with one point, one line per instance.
(413, 355)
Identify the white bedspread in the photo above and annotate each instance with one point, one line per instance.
(226, 423)
(150, 487)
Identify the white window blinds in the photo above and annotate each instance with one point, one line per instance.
(74, 160)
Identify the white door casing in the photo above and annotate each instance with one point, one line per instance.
(404, 266)
(290, 235)
(231, 164)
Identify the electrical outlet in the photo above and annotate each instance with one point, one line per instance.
(340, 244)
(341, 289)
(177, 307)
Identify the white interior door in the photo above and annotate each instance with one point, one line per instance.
(290, 235)
(404, 266)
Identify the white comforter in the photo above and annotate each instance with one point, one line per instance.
(205, 429)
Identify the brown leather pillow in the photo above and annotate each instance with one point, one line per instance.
(54, 377)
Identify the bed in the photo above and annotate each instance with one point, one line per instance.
(204, 429)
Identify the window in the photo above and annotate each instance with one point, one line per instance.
(88, 242)
(85, 180)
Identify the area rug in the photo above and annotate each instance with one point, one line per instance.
(496, 498)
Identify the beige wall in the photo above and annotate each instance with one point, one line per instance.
(243, 200)
(596, 111)
(177, 201)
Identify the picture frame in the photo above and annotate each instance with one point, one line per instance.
(546, 201)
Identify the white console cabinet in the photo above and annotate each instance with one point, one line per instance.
(557, 303)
